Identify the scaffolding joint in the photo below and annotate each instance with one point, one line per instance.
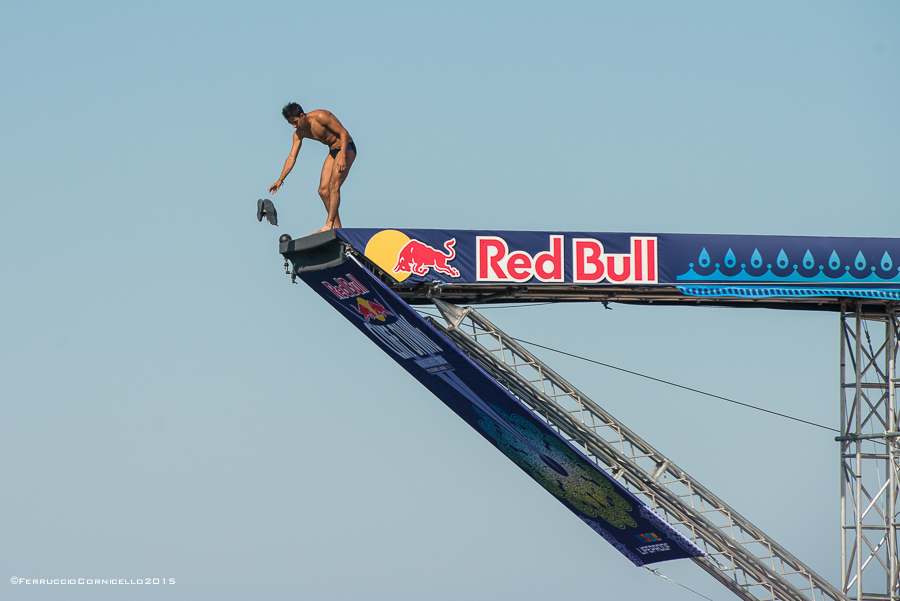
(432, 288)
(856, 437)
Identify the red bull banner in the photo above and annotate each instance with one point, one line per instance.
(602, 503)
(699, 265)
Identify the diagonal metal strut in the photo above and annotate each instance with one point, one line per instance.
(739, 555)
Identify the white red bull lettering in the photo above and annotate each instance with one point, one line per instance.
(342, 288)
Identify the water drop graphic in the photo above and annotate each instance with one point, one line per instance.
(860, 261)
(834, 261)
(756, 258)
(729, 259)
(704, 258)
(808, 261)
(782, 260)
(886, 262)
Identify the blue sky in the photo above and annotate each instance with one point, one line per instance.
(173, 407)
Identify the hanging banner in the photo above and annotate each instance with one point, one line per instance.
(697, 264)
(575, 481)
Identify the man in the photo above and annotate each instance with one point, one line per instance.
(323, 127)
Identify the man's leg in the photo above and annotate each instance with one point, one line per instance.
(324, 189)
(330, 189)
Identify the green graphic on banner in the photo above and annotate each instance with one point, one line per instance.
(558, 468)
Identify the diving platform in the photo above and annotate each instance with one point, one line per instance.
(638, 500)
(483, 267)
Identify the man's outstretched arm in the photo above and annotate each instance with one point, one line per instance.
(288, 164)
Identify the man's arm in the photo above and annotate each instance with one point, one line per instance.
(288, 164)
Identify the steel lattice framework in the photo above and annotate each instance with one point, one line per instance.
(739, 555)
(869, 451)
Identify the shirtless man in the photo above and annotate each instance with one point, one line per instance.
(323, 127)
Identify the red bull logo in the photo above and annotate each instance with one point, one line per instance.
(563, 259)
(371, 309)
(417, 257)
(402, 257)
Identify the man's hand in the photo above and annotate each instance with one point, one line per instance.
(274, 187)
(341, 161)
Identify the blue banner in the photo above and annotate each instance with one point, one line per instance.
(575, 481)
(697, 264)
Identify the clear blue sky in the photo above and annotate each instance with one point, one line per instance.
(173, 407)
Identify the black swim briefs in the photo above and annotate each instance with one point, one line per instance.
(334, 151)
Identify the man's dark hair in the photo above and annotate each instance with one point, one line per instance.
(291, 109)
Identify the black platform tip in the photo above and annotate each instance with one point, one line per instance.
(284, 238)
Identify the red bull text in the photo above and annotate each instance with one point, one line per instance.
(346, 288)
(590, 263)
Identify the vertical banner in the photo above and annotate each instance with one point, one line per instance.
(575, 481)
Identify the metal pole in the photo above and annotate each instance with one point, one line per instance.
(891, 510)
(857, 429)
(843, 447)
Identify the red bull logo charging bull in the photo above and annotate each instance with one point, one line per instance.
(371, 309)
(417, 257)
(402, 257)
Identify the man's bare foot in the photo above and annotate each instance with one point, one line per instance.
(324, 229)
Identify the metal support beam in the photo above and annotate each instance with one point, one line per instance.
(740, 556)
(869, 451)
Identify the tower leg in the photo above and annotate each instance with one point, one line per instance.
(870, 473)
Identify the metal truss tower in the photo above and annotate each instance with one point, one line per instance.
(740, 556)
(869, 451)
